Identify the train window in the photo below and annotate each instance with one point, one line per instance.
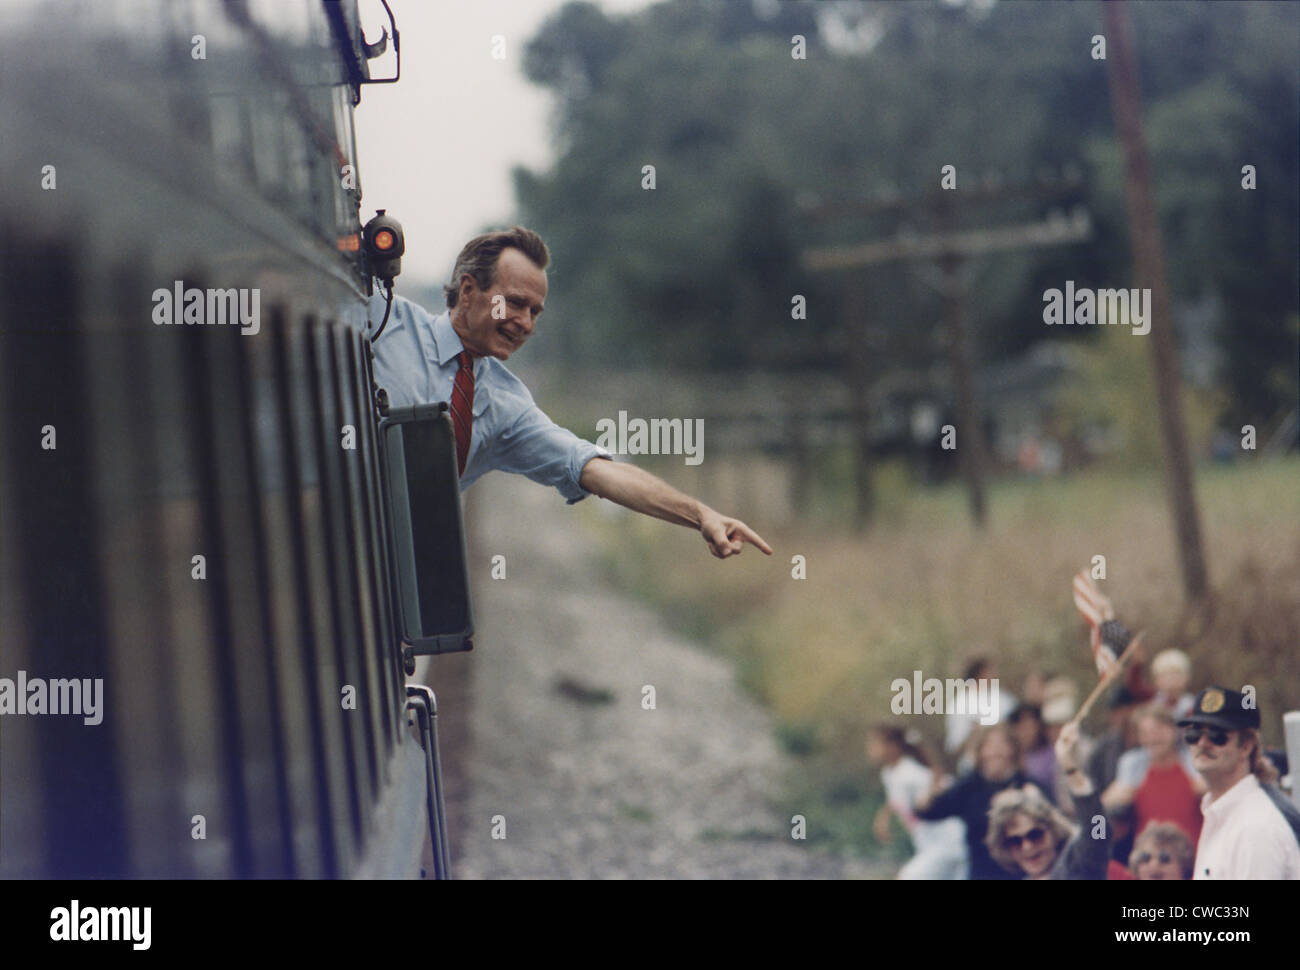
(300, 163)
(268, 135)
(346, 199)
(281, 121)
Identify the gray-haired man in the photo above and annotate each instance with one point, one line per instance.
(497, 292)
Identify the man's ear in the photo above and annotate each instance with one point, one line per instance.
(1251, 740)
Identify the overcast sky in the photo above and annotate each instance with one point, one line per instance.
(436, 148)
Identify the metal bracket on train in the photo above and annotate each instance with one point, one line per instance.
(375, 49)
(421, 701)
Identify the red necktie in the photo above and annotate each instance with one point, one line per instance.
(462, 408)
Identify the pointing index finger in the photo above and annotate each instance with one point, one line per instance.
(754, 538)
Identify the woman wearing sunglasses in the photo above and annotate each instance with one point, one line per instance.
(1032, 839)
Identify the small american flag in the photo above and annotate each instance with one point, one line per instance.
(1096, 609)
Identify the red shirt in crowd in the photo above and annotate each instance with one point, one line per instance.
(1166, 795)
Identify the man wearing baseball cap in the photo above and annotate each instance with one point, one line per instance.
(1245, 836)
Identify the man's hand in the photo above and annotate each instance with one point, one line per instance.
(727, 536)
(637, 489)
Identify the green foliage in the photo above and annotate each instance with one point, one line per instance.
(1115, 395)
(698, 273)
(797, 739)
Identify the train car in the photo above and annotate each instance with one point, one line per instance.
(208, 599)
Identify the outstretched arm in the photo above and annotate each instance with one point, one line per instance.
(637, 489)
(1086, 855)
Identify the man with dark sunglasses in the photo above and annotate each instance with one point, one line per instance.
(1244, 836)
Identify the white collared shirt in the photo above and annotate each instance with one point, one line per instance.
(1245, 837)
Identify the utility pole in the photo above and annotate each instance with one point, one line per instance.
(858, 366)
(971, 446)
(1149, 267)
(950, 247)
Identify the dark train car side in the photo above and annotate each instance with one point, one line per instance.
(191, 520)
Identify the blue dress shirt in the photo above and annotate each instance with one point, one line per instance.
(415, 361)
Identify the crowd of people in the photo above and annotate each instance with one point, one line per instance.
(1176, 785)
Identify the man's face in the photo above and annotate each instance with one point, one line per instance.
(495, 322)
(1220, 760)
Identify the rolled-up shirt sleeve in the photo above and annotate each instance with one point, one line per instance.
(535, 446)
